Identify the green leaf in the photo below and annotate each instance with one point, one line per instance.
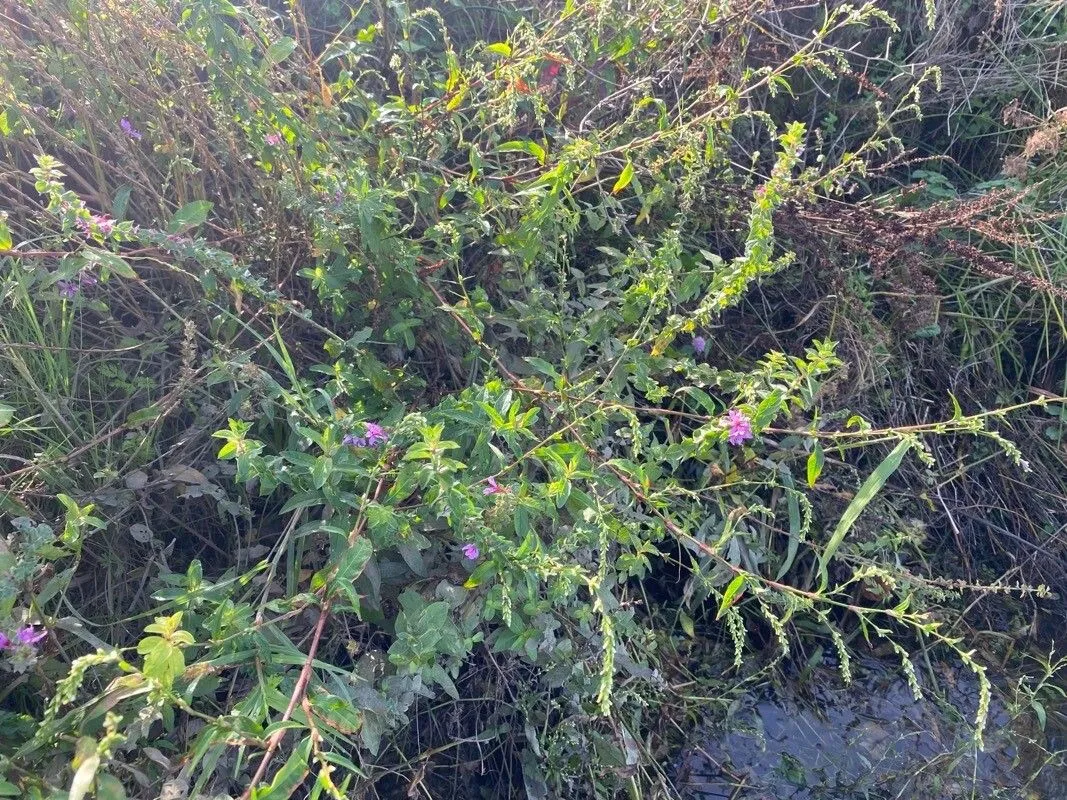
(353, 560)
(482, 573)
(190, 215)
(108, 262)
(290, 777)
(9, 789)
(686, 622)
(5, 234)
(163, 660)
(5, 124)
(1039, 711)
(500, 48)
(121, 202)
(796, 526)
(735, 587)
(108, 787)
(542, 366)
(767, 410)
(6, 414)
(320, 473)
(523, 146)
(874, 483)
(815, 464)
(625, 177)
(336, 713)
(280, 50)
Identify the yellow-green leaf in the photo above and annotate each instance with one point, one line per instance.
(728, 597)
(815, 464)
(290, 777)
(625, 177)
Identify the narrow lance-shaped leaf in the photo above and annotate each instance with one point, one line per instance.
(625, 177)
(731, 593)
(874, 483)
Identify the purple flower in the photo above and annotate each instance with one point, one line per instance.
(373, 435)
(101, 222)
(68, 290)
(4, 642)
(30, 636)
(493, 487)
(471, 551)
(87, 279)
(739, 427)
(700, 344)
(273, 139)
(128, 129)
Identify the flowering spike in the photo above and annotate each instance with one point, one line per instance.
(29, 636)
(739, 427)
(128, 129)
(373, 435)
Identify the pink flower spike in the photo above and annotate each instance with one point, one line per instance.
(470, 551)
(493, 487)
(29, 636)
(128, 129)
(739, 427)
(700, 344)
(273, 139)
(4, 642)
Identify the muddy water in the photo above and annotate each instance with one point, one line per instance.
(818, 740)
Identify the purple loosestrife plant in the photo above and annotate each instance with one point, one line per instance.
(738, 426)
(273, 139)
(493, 487)
(4, 642)
(30, 636)
(373, 436)
(471, 551)
(100, 222)
(68, 290)
(128, 129)
(700, 344)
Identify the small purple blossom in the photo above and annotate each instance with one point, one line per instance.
(128, 129)
(87, 279)
(273, 139)
(101, 222)
(4, 642)
(68, 290)
(30, 636)
(700, 344)
(739, 427)
(471, 551)
(373, 435)
(493, 487)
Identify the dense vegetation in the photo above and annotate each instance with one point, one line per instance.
(442, 399)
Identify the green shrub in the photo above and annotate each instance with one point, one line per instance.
(452, 313)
